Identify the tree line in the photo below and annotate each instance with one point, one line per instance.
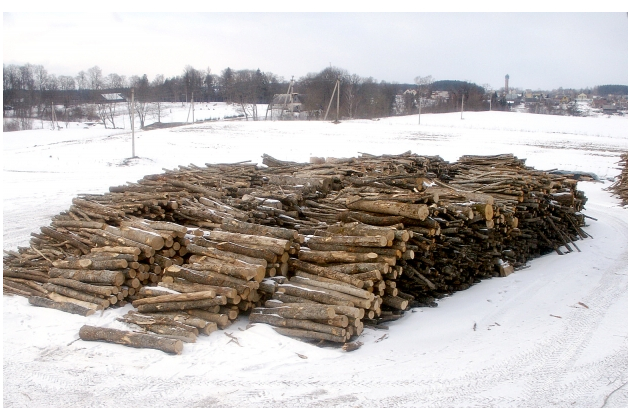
(30, 90)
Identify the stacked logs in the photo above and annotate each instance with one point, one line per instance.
(620, 186)
(348, 241)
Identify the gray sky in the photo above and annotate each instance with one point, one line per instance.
(537, 50)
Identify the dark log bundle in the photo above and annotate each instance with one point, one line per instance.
(370, 237)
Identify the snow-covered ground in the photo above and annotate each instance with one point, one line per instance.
(552, 335)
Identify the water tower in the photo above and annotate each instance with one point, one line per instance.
(507, 79)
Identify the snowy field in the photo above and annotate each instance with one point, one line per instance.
(552, 335)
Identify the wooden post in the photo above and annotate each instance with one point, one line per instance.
(331, 99)
(133, 117)
(338, 89)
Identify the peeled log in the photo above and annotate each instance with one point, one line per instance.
(61, 306)
(412, 211)
(131, 339)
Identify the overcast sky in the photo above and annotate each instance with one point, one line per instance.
(537, 50)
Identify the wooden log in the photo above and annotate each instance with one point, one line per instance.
(25, 274)
(355, 268)
(207, 277)
(300, 312)
(314, 295)
(324, 272)
(249, 251)
(395, 302)
(182, 306)
(412, 211)
(175, 297)
(66, 237)
(390, 252)
(222, 320)
(369, 219)
(237, 226)
(147, 238)
(78, 224)
(84, 287)
(357, 241)
(204, 327)
(361, 229)
(66, 291)
(230, 257)
(310, 285)
(288, 300)
(331, 284)
(131, 339)
(29, 283)
(228, 292)
(105, 256)
(172, 332)
(277, 321)
(313, 335)
(241, 272)
(60, 298)
(60, 306)
(118, 250)
(121, 241)
(332, 257)
(277, 246)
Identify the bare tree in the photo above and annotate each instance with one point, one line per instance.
(82, 80)
(157, 87)
(95, 78)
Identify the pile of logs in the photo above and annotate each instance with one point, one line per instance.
(316, 250)
(620, 186)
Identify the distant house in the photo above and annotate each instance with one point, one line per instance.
(582, 97)
(287, 102)
(440, 94)
(113, 97)
(609, 109)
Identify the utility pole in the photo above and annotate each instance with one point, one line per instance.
(462, 106)
(336, 89)
(192, 101)
(133, 133)
(419, 105)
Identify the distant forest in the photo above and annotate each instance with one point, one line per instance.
(30, 90)
(611, 90)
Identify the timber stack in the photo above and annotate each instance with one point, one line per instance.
(620, 186)
(316, 250)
